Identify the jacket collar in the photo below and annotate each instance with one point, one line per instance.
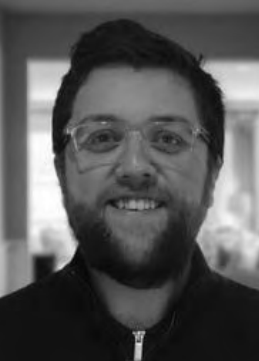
(195, 295)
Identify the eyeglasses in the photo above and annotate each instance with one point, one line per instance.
(100, 140)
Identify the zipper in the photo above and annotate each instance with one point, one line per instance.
(138, 346)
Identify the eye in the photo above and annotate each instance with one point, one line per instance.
(169, 141)
(101, 140)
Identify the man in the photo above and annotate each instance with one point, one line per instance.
(138, 136)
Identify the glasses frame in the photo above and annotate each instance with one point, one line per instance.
(197, 132)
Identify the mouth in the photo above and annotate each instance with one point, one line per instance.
(136, 205)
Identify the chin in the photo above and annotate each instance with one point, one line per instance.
(148, 258)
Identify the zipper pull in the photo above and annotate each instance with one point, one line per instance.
(138, 347)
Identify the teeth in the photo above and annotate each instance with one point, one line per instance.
(131, 204)
(120, 204)
(136, 204)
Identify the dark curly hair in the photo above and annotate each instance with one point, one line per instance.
(125, 42)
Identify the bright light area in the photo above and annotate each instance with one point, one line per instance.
(44, 80)
(239, 80)
(47, 223)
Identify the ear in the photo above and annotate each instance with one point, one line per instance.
(212, 182)
(59, 164)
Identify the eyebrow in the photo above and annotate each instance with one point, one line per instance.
(166, 118)
(98, 118)
(170, 118)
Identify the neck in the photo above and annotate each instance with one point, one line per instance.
(137, 309)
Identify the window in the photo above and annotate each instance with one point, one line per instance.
(47, 224)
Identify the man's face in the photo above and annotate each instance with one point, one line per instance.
(105, 201)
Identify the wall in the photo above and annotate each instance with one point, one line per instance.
(35, 36)
(2, 243)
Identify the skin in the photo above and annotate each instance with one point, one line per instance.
(136, 96)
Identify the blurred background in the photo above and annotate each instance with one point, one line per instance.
(35, 39)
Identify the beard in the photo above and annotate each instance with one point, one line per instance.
(168, 257)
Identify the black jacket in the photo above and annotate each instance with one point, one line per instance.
(61, 319)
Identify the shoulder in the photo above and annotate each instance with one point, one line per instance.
(221, 320)
(54, 312)
(235, 304)
(29, 301)
(229, 290)
(51, 297)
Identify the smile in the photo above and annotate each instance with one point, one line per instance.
(136, 204)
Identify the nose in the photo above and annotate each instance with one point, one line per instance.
(135, 168)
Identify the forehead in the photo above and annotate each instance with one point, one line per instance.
(135, 95)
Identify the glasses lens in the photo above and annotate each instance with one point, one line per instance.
(103, 137)
(98, 137)
(171, 138)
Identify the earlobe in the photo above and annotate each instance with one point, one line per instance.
(211, 198)
(213, 179)
(59, 167)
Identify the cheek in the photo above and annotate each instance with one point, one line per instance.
(83, 187)
(188, 182)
